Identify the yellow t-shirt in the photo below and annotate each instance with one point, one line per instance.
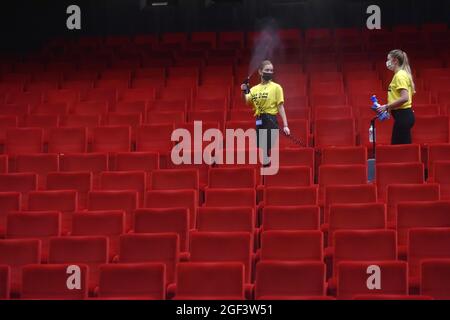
(265, 98)
(401, 80)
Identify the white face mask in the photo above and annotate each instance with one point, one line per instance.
(389, 65)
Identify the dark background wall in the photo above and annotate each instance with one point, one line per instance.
(26, 23)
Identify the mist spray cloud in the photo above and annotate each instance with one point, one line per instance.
(265, 46)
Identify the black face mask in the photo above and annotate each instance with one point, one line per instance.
(267, 76)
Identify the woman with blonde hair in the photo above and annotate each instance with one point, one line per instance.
(400, 94)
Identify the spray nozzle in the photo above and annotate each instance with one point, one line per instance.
(246, 82)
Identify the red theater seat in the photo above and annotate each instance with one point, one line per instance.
(79, 181)
(143, 281)
(34, 225)
(174, 199)
(24, 140)
(17, 253)
(126, 200)
(441, 175)
(89, 250)
(5, 281)
(161, 220)
(435, 278)
(49, 282)
(425, 244)
(111, 139)
(235, 247)
(358, 193)
(291, 246)
(397, 173)
(67, 140)
(156, 248)
(41, 164)
(285, 280)
(110, 224)
(398, 153)
(64, 201)
(352, 278)
(398, 193)
(195, 278)
(9, 202)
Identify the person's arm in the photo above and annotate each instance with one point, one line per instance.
(404, 97)
(284, 118)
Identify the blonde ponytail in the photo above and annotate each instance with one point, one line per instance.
(403, 61)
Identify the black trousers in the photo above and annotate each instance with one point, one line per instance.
(404, 120)
(265, 142)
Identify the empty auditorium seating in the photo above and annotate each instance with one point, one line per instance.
(111, 139)
(290, 176)
(9, 202)
(425, 244)
(125, 180)
(344, 155)
(290, 218)
(398, 153)
(164, 220)
(143, 281)
(35, 225)
(79, 181)
(441, 175)
(41, 164)
(397, 193)
(137, 161)
(363, 245)
(238, 219)
(358, 193)
(79, 162)
(154, 138)
(67, 140)
(431, 130)
(110, 224)
(64, 201)
(155, 247)
(341, 175)
(172, 179)
(287, 280)
(126, 200)
(291, 245)
(397, 173)
(435, 278)
(290, 196)
(334, 132)
(90, 250)
(232, 178)
(24, 140)
(195, 279)
(186, 198)
(353, 278)
(437, 152)
(215, 197)
(4, 282)
(17, 253)
(236, 247)
(49, 282)
(353, 216)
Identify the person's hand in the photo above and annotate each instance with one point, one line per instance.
(382, 108)
(286, 130)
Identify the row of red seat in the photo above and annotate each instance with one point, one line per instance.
(332, 132)
(353, 254)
